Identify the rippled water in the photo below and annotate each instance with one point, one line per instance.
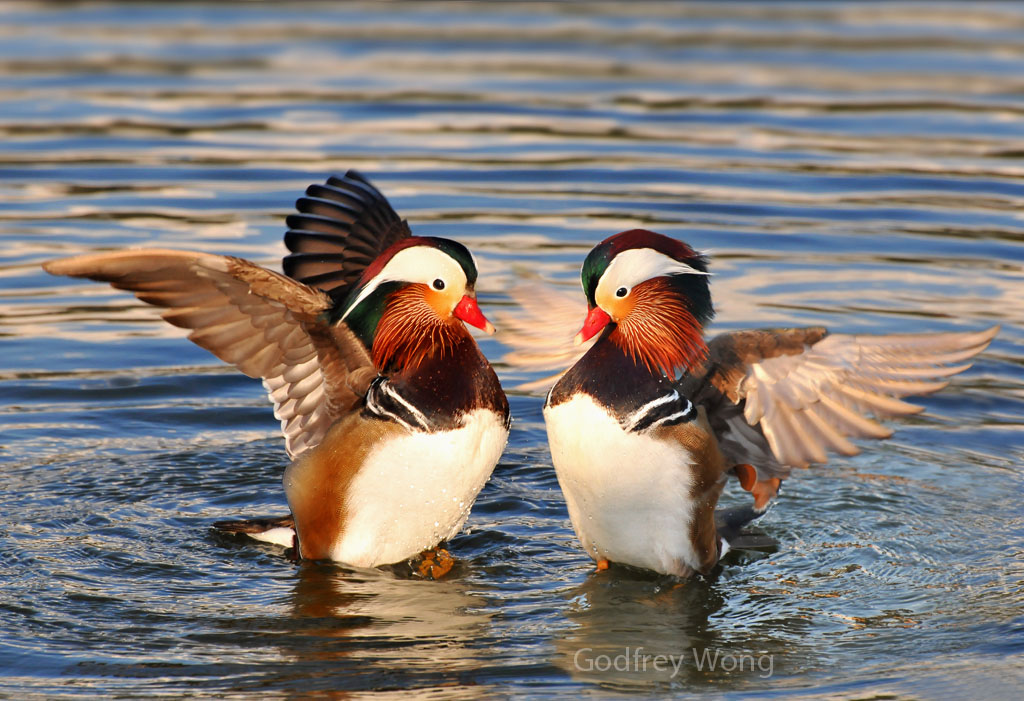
(857, 166)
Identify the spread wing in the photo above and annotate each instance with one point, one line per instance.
(808, 391)
(341, 227)
(265, 324)
(540, 331)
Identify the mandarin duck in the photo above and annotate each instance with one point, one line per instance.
(392, 417)
(648, 423)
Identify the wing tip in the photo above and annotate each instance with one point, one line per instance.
(83, 265)
(92, 264)
(57, 266)
(988, 335)
(977, 341)
(353, 174)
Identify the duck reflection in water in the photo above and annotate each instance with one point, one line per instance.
(374, 626)
(632, 628)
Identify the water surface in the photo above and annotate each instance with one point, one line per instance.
(856, 166)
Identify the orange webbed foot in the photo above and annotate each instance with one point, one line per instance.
(602, 565)
(435, 563)
(763, 490)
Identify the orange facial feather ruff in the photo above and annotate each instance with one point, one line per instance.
(660, 331)
(411, 329)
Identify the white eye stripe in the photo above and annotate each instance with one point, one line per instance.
(629, 268)
(415, 264)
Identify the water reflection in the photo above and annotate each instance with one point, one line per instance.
(387, 624)
(633, 629)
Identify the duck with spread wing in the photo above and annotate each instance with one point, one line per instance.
(646, 426)
(393, 418)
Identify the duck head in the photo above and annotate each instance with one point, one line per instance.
(649, 294)
(410, 303)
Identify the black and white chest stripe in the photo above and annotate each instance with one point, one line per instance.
(666, 410)
(384, 401)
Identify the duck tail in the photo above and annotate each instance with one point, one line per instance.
(730, 523)
(278, 530)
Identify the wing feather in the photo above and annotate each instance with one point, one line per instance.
(540, 329)
(830, 431)
(267, 325)
(340, 228)
(809, 391)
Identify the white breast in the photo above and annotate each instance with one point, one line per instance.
(628, 494)
(417, 490)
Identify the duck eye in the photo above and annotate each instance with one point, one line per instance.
(438, 284)
(621, 292)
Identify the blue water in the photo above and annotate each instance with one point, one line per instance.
(852, 165)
